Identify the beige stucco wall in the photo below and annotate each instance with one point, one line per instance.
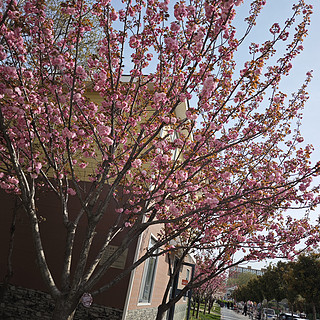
(148, 311)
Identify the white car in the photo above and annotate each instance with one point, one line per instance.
(268, 314)
(290, 316)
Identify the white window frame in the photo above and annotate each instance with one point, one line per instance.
(187, 278)
(142, 299)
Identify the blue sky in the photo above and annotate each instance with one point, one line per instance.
(278, 11)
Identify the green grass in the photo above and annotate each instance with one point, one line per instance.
(207, 316)
(214, 315)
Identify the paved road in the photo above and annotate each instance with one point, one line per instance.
(228, 314)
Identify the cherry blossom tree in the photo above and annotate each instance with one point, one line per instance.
(207, 291)
(104, 126)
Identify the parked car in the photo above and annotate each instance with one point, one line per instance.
(268, 314)
(290, 316)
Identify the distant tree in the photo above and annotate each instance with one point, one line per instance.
(297, 281)
(205, 293)
(272, 282)
(277, 276)
(271, 285)
(304, 279)
(240, 279)
(251, 291)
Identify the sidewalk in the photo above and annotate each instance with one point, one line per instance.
(228, 314)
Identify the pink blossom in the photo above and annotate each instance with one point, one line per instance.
(180, 11)
(38, 167)
(209, 9)
(284, 36)
(108, 141)
(81, 72)
(191, 10)
(276, 99)
(199, 36)
(77, 97)
(3, 55)
(13, 180)
(275, 28)
(171, 44)
(66, 133)
(123, 105)
(209, 85)
(163, 6)
(178, 143)
(258, 71)
(166, 120)
(10, 72)
(238, 2)
(58, 61)
(182, 175)
(190, 115)
(212, 202)
(103, 130)
(173, 209)
(114, 15)
(159, 97)
(136, 163)
(134, 42)
(33, 175)
(71, 191)
(175, 27)
(83, 165)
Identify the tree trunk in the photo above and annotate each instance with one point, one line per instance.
(161, 310)
(205, 306)
(64, 309)
(314, 311)
(198, 307)
(9, 273)
(193, 304)
(210, 305)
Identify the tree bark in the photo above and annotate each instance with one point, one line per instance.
(210, 304)
(193, 306)
(205, 306)
(64, 309)
(9, 273)
(314, 311)
(198, 307)
(161, 310)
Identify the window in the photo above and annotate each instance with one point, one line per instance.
(188, 275)
(188, 279)
(149, 273)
